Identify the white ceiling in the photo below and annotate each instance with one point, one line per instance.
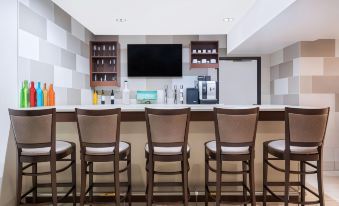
(303, 20)
(156, 17)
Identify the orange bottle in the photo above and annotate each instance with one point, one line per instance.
(51, 96)
(45, 94)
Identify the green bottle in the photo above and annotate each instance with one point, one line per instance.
(25, 98)
(22, 96)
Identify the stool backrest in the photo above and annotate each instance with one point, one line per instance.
(305, 127)
(98, 128)
(167, 127)
(33, 128)
(236, 127)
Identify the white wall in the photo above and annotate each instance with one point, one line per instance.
(8, 65)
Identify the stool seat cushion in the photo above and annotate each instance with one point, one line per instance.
(123, 146)
(279, 146)
(166, 150)
(212, 146)
(60, 147)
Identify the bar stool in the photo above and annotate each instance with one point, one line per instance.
(304, 136)
(99, 135)
(34, 133)
(167, 134)
(235, 131)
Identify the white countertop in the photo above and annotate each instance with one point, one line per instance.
(141, 107)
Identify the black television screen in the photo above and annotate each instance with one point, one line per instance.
(154, 60)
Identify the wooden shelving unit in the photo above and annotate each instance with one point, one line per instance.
(203, 53)
(104, 63)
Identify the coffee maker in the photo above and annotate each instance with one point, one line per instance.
(208, 90)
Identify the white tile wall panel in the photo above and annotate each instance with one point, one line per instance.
(43, 7)
(78, 30)
(281, 86)
(60, 95)
(62, 77)
(277, 57)
(86, 96)
(82, 64)
(28, 45)
(24, 66)
(131, 39)
(186, 55)
(56, 35)
(308, 66)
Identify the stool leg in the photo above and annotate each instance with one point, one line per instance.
(302, 181)
(117, 180)
(265, 169)
(19, 183)
(90, 180)
(150, 178)
(53, 181)
(129, 176)
(83, 181)
(206, 178)
(74, 176)
(252, 180)
(244, 181)
(185, 174)
(35, 182)
(218, 179)
(320, 181)
(287, 182)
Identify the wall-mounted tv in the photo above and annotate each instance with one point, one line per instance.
(154, 60)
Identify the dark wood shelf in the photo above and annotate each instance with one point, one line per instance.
(104, 72)
(103, 57)
(204, 45)
(110, 71)
(216, 65)
(204, 54)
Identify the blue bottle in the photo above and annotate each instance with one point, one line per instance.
(40, 96)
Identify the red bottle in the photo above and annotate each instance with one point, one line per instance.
(32, 95)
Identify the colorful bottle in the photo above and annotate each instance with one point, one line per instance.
(51, 96)
(32, 95)
(26, 95)
(45, 93)
(22, 96)
(39, 96)
(95, 97)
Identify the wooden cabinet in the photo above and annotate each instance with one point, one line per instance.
(104, 63)
(204, 54)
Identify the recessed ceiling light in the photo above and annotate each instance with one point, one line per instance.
(120, 20)
(228, 19)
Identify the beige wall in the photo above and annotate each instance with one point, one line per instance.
(307, 74)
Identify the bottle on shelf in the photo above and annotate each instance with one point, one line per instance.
(102, 97)
(32, 95)
(113, 50)
(112, 97)
(45, 92)
(125, 93)
(95, 97)
(40, 96)
(98, 53)
(94, 50)
(103, 50)
(51, 96)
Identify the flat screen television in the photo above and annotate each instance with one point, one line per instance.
(154, 60)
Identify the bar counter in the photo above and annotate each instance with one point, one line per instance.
(133, 130)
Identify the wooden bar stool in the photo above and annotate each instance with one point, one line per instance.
(167, 134)
(34, 133)
(235, 131)
(99, 135)
(304, 136)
